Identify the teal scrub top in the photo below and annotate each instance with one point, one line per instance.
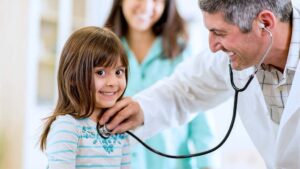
(154, 67)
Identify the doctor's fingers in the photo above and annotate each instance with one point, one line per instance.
(126, 119)
(108, 114)
(125, 109)
(130, 123)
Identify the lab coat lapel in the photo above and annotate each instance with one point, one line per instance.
(287, 149)
(293, 102)
(256, 119)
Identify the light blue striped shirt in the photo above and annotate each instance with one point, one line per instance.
(73, 143)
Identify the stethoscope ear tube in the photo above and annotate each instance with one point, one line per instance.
(234, 86)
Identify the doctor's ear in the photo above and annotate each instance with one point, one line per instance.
(266, 20)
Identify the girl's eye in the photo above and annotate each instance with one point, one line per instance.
(101, 72)
(120, 72)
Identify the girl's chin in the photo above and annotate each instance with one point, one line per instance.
(105, 104)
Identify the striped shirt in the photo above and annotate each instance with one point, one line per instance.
(73, 143)
(276, 85)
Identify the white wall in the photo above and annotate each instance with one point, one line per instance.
(13, 79)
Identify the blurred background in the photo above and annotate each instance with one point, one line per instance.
(32, 35)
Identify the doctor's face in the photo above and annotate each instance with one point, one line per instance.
(243, 49)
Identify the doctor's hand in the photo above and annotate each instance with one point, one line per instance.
(125, 115)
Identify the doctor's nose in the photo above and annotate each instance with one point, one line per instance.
(214, 43)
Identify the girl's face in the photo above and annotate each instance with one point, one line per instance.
(141, 15)
(110, 83)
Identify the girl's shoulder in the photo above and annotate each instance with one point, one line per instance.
(69, 122)
(65, 118)
(66, 122)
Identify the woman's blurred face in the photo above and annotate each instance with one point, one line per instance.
(141, 15)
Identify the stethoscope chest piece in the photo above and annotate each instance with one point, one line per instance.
(103, 131)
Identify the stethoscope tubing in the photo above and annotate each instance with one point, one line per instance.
(237, 90)
(195, 154)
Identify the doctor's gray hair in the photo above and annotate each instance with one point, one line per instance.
(243, 12)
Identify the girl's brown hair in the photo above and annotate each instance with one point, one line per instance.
(170, 26)
(85, 49)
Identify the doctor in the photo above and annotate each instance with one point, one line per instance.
(270, 107)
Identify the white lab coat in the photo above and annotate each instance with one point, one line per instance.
(202, 82)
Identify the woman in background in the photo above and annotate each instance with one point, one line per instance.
(155, 41)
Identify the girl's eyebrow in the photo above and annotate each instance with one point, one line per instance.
(118, 66)
(99, 67)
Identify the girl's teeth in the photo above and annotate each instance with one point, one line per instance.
(108, 93)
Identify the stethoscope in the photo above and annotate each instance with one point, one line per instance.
(105, 133)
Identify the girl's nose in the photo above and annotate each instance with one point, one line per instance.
(111, 80)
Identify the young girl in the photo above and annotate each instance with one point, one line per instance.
(92, 76)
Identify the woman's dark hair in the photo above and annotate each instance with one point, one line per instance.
(85, 49)
(170, 26)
